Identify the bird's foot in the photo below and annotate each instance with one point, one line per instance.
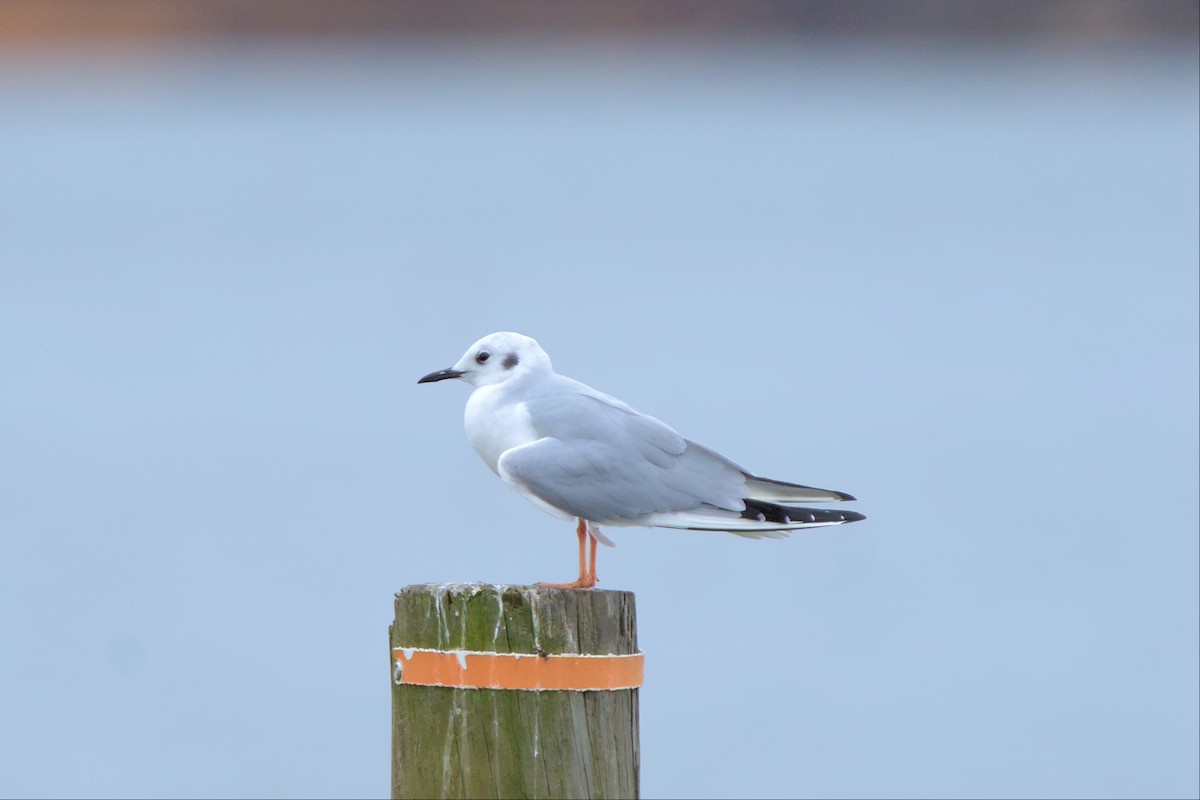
(584, 582)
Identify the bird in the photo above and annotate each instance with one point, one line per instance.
(576, 452)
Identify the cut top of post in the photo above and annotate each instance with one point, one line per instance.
(533, 620)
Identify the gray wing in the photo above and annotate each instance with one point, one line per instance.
(601, 460)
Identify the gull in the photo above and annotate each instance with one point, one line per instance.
(576, 452)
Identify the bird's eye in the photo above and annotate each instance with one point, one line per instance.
(482, 357)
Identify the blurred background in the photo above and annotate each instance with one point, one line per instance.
(942, 256)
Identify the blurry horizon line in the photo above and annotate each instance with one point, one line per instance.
(136, 22)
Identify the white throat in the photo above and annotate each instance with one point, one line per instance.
(496, 423)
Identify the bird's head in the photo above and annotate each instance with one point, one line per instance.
(496, 358)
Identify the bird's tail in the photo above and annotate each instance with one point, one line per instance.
(759, 520)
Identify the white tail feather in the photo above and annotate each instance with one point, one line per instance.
(718, 519)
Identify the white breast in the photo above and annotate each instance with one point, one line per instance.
(494, 424)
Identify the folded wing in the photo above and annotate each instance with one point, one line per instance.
(599, 459)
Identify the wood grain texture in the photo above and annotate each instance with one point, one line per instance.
(468, 743)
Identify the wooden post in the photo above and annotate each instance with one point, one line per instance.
(500, 743)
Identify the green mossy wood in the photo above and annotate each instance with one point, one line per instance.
(471, 743)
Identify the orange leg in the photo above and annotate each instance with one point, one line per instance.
(592, 579)
(587, 577)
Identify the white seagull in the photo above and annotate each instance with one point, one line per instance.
(575, 452)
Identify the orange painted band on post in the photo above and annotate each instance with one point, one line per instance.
(469, 669)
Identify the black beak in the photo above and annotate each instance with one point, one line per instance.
(441, 375)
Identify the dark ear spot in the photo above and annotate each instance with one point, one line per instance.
(510, 361)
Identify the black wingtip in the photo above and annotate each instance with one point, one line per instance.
(787, 515)
(845, 498)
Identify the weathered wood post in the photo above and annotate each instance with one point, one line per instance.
(549, 742)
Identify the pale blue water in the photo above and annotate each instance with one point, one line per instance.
(957, 282)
